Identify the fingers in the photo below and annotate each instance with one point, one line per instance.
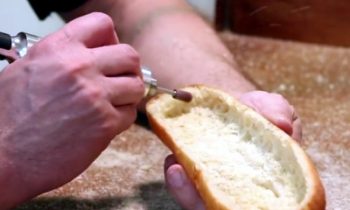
(126, 115)
(121, 64)
(9, 55)
(117, 60)
(169, 161)
(124, 90)
(93, 30)
(297, 131)
(181, 187)
(276, 109)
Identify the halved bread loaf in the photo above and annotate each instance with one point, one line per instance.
(236, 158)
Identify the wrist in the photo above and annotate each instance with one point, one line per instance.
(11, 191)
(14, 189)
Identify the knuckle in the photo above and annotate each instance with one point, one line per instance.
(79, 66)
(135, 90)
(67, 34)
(42, 48)
(103, 19)
(93, 93)
(130, 53)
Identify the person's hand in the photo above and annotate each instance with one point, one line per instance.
(272, 106)
(62, 104)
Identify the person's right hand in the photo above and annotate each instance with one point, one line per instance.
(62, 104)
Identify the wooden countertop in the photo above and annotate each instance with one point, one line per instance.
(314, 78)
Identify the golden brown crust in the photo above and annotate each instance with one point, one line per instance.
(315, 196)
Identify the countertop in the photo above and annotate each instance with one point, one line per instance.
(314, 78)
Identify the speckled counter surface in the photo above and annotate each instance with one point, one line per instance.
(315, 79)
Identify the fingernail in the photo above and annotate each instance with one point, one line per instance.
(284, 124)
(176, 178)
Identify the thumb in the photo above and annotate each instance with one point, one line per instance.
(181, 187)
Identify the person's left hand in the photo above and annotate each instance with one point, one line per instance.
(272, 106)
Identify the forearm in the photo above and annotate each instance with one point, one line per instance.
(174, 42)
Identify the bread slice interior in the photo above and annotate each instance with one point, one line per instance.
(236, 158)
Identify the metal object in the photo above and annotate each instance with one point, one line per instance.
(151, 86)
(19, 43)
(23, 41)
(150, 83)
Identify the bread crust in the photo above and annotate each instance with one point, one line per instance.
(315, 195)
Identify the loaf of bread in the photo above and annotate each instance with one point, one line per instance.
(235, 157)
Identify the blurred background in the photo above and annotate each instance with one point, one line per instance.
(312, 21)
(17, 15)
